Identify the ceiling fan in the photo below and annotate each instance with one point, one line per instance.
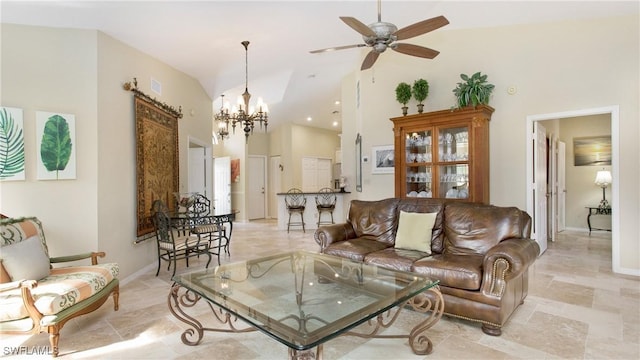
(382, 35)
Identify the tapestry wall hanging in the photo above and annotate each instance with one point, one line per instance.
(156, 160)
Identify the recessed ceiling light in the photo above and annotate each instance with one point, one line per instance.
(335, 123)
(337, 102)
(309, 118)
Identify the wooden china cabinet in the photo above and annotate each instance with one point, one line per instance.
(443, 154)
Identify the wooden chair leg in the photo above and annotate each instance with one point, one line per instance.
(54, 338)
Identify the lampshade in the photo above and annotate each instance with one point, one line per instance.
(603, 178)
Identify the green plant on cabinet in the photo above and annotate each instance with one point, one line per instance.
(403, 95)
(473, 90)
(420, 92)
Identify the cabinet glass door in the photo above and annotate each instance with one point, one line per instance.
(418, 164)
(454, 181)
(453, 144)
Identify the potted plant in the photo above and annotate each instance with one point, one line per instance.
(473, 90)
(420, 92)
(403, 95)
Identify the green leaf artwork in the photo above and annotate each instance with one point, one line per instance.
(11, 146)
(55, 148)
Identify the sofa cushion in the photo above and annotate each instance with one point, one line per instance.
(414, 231)
(394, 258)
(428, 205)
(25, 260)
(355, 249)
(456, 271)
(375, 219)
(63, 288)
(474, 229)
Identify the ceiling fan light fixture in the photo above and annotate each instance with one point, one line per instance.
(381, 35)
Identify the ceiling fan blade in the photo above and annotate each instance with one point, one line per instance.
(358, 26)
(415, 50)
(421, 27)
(337, 48)
(371, 58)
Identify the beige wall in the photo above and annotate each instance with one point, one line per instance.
(81, 72)
(555, 67)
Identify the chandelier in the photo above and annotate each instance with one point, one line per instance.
(243, 114)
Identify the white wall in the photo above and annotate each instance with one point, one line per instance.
(81, 72)
(555, 67)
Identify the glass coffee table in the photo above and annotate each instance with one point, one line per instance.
(303, 299)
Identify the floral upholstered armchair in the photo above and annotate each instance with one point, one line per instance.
(36, 297)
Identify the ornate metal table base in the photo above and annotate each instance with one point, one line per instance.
(418, 340)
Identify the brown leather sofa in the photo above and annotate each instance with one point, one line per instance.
(480, 253)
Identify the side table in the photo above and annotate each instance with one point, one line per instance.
(597, 211)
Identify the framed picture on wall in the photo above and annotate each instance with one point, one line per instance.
(382, 160)
(592, 151)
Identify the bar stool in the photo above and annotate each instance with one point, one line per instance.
(325, 202)
(295, 202)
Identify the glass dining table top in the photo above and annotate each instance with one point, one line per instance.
(302, 298)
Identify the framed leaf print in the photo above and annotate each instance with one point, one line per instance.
(11, 144)
(56, 147)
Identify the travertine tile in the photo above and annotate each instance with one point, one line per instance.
(576, 309)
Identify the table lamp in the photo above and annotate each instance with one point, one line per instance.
(603, 179)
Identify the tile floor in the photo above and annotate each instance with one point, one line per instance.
(576, 309)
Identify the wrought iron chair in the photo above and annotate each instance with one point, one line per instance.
(205, 225)
(326, 202)
(171, 245)
(296, 203)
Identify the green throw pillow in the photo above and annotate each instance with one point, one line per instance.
(25, 260)
(414, 231)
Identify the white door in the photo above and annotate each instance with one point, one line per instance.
(562, 187)
(324, 173)
(540, 186)
(309, 174)
(222, 184)
(256, 188)
(552, 187)
(275, 178)
(197, 167)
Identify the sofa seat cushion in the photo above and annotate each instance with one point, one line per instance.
(63, 288)
(394, 258)
(456, 271)
(355, 249)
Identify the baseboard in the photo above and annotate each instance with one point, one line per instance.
(137, 273)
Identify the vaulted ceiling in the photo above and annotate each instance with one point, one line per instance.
(203, 38)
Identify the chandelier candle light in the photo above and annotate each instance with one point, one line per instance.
(243, 114)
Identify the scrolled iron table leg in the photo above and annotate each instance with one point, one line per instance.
(418, 340)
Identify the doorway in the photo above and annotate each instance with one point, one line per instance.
(200, 178)
(533, 199)
(256, 187)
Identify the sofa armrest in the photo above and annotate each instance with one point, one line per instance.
(93, 255)
(507, 260)
(328, 234)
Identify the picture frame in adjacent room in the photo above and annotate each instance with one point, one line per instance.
(56, 146)
(382, 159)
(592, 150)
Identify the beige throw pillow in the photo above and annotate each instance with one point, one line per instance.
(25, 260)
(414, 231)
